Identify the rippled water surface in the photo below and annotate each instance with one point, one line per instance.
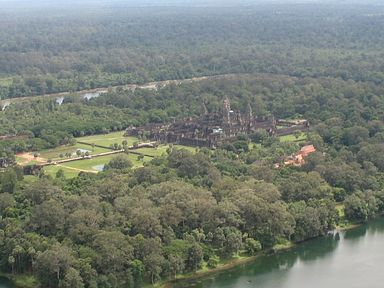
(352, 259)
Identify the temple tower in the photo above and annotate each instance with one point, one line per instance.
(248, 112)
(227, 111)
(204, 109)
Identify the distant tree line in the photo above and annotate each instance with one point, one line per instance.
(41, 54)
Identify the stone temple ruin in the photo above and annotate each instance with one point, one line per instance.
(213, 129)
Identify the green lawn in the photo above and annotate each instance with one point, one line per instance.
(156, 152)
(23, 161)
(72, 169)
(91, 165)
(162, 150)
(68, 173)
(54, 154)
(190, 149)
(108, 139)
(5, 82)
(292, 138)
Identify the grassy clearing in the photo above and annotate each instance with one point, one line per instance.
(29, 179)
(68, 173)
(72, 169)
(190, 149)
(6, 82)
(90, 164)
(54, 154)
(291, 138)
(19, 159)
(156, 152)
(108, 139)
(23, 162)
(162, 150)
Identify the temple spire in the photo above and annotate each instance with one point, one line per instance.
(227, 110)
(248, 112)
(204, 108)
(227, 104)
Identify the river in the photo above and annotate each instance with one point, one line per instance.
(352, 259)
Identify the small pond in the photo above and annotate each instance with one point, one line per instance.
(99, 168)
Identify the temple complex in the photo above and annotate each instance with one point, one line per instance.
(213, 129)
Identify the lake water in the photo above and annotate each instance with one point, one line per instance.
(99, 168)
(4, 283)
(352, 259)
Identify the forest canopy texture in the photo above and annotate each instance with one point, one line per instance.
(66, 50)
(187, 209)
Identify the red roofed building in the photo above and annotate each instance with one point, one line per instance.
(306, 150)
(297, 159)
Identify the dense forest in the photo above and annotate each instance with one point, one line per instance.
(114, 45)
(185, 211)
(125, 227)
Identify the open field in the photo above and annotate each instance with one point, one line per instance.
(54, 154)
(52, 170)
(91, 164)
(162, 150)
(292, 138)
(94, 165)
(25, 159)
(108, 139)
(5, 82)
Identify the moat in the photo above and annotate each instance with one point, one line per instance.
(351, 259)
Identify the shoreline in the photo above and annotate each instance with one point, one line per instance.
(230, 264)
(203, 273)
(348, 227)
(244, 260)
(27, 281)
